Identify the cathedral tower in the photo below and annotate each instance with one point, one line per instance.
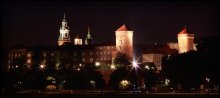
(64, 33)
(124, 41)
(185, 41)
(88, 40)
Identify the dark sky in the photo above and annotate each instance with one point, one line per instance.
(38, 22)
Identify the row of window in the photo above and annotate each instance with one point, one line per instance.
(14, 55)
(52, 54)
(97, 53)
(101, 59)
(106, 47)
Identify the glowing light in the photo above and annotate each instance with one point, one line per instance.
(167, 81)
(92, 82)
(147, 67)
(97, 64)
(124, 84)
(112, 67)
(134, 63)
(42, 66)
(207, 79)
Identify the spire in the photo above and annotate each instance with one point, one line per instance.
(88, 39)
(64, 22)
(89, 35)
(64, 17)
(88, 30)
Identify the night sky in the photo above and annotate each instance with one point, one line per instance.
(32, 23)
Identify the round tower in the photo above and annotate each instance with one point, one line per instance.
(185, 41)
(124, 41)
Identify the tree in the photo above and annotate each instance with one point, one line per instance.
(121, 60)
(190, 69)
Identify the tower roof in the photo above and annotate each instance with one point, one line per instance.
(64, 18)
(185, 31)
(123, 28)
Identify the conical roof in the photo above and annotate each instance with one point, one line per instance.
(185, 31)
(123, 28)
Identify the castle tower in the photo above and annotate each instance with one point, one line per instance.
(88, 40)
(64, 33)
(124, 41)
(185, 41)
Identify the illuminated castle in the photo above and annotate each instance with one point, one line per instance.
(185, 41)
(85, 52)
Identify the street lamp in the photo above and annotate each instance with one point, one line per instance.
(147, 67)
(113, 67)
(42, 66)
(134, 63)
(207, 80)
(167, 81)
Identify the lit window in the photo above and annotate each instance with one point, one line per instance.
(97, 52)
(101, 52)
(83, 59)
(44, 54)
(108, 47)
(28, 55)
(29, 61)
(119, 47)
(101, 59)
(91, 59)
(91, 53)
(120, 41)
(104, 52)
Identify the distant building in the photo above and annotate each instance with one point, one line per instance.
(124, 41)
(64, 36)
(155, 52)
(78, 40)
(185, 41)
